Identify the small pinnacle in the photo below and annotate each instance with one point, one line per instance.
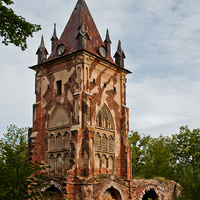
(107, 36)
(119, 48)
(54, 31)
(42, 43)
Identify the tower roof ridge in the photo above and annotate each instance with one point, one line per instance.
(80, 17)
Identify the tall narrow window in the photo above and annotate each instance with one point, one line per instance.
(59, 87)
(111, 144)
(104, 142)
(97, 141)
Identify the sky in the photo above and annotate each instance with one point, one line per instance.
(161, 41)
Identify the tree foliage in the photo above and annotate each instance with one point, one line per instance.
(20, 179)
(176, 158)
(13, 28)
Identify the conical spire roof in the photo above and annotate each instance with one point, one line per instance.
(42, 47)
(80, 15)
(107, 36)
(54, 32)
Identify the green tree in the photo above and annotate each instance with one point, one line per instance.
(13, 28)
(176, 158)
(20, 179)
(151, 156)
(187, 156)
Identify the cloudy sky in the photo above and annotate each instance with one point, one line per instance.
(161, 41)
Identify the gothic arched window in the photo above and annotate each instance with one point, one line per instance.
(66, 140)
(59, 141)
(104, 142)
(97, 141)
(52, 163)
(104, 118)
(52, 142)
(111, 144)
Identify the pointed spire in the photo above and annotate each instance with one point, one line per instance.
(42, 52)
(54, 38)
(42, 42)
(119, 55)
(80, 2)
(80, 33)
(107, 42)
(119, 47)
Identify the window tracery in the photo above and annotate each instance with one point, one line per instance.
(104, 118)
(104, 142)
(59, 151)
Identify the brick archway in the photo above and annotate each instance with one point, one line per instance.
(150, 192)
(113, 191)
(54, 193)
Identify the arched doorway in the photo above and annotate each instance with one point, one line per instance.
(54, 193)
(150, 194)
(111, 194)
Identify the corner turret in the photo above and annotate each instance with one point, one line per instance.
(42, 52)
(107, 42)
(54, 39)
(119, 55)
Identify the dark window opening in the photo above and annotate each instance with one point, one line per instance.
(48, 86)
(93, 80)
(59, 87)
(70, 80)
(151, 194)
(114, 89)
(104, 85)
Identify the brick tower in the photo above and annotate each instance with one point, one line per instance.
(80, 119)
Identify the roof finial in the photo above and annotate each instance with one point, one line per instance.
(119, 55)
(54, 38)
(119, 47)
(81, 2)
(107, 36)
(107, 42)
(42, 42)
(54, 31)
(42, 52)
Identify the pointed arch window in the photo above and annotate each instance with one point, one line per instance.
(66, 140)
(59, 141)
(52, 163)
(52, 142)
(104, 118)
(111, 144)
(104, 142)
(97, 141)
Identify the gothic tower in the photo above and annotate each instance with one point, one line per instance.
(80, 119)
